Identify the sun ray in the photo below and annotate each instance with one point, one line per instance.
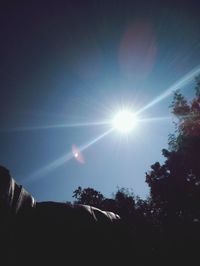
(85, 146)
(58, 126)
(179, 84)
(156, 119)
(43, 171)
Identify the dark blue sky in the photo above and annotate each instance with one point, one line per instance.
(70, 62)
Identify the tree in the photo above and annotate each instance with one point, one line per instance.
(175, 185)
(88, 196)
(123, 201)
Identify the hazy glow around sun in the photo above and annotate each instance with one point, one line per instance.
(124, 121)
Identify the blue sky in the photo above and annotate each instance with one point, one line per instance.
(72, 62)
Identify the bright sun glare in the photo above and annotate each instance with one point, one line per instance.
(124, 121)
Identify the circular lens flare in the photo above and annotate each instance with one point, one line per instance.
(124, 121)
(77, 154)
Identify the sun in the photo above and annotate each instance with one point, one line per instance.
(124, 121)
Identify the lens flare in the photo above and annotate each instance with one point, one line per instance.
(77, 154)
(43, 171)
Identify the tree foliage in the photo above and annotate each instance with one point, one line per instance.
(175, 185)
(122, 202)
(88, 196)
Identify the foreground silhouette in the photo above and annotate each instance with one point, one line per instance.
(44, 233)
(54, 233)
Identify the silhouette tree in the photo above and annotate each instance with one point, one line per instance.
(88, 196)
(175, 185)
(122, 202)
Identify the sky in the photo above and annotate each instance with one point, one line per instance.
(67, 67)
